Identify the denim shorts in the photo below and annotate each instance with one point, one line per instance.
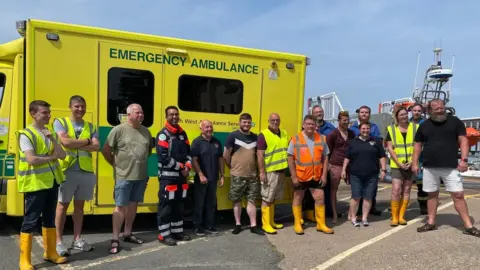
(129, 191)
(363, 186)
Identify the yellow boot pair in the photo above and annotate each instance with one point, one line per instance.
(49, 245)
(320, 216)
(268, 225)
(298, 221)
(399, 208)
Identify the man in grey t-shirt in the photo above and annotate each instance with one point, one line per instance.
(79, 138)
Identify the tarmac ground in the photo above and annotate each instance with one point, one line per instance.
(378, 246)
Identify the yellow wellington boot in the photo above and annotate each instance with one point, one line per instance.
(266, 227)
(297, 215)
(49, 245)
(26, 251)
(403, 209)
(310, 215)
(320, 216)
(272, 215)
(302, 221)
(395, 205)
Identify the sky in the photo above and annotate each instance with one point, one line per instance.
(363, 50)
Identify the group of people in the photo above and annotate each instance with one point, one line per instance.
(55, 167)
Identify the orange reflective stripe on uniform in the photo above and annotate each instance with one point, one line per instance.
(308, 168)
(185, 188)
(171, 191)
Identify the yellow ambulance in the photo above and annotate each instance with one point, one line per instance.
(52, 61)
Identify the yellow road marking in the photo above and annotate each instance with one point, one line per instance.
(365, 244)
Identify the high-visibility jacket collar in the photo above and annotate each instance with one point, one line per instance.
(173, 129)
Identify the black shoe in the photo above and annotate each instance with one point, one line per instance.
(256, 230)
(181, 237)
(168, 241)
(375, 212)
(237, 229)
(199, 231)
(211, 230)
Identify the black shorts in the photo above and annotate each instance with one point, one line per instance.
(309, 184)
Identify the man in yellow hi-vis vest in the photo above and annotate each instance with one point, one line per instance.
(272, 144)
(79, 138)
(39, 175)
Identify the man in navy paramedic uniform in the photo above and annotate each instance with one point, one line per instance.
(174, 165)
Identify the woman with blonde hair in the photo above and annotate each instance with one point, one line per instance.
(400, 145)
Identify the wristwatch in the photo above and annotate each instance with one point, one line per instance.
(465, 160)
(384, 171)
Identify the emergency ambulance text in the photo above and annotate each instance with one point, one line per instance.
(180, 60)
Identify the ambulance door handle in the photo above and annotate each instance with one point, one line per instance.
(1, 141)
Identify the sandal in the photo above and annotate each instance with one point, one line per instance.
(114, 247)
(427, 227)
(472, 231)
(132, 239)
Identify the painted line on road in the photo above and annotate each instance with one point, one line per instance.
(367, 243)
(126, 256)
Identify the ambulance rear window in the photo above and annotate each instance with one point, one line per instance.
(210, 95)
(127, 86)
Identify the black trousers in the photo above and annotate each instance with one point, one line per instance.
(170, 206)
(205, 204)
(309, 203)
(40, 203)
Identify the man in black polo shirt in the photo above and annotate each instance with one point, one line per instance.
(439, 136)
(208, 165)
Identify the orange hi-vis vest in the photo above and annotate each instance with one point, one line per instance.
(308, 168)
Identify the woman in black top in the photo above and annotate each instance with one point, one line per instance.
(365, 156)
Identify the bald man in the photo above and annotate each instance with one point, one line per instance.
(127, 149)
(272, 144)
(209, 167)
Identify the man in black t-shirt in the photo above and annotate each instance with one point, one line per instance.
(439, 136)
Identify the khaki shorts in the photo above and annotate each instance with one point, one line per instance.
(248, 186)
(402, 174)
(273, 189)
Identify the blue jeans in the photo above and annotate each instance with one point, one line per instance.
(129, 191)
(363, 186)
(40, 203)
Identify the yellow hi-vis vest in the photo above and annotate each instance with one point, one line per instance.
(403, 149)
(276, 152)
(33, 178)
(84, 157)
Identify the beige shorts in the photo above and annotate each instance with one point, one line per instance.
(273, 189)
